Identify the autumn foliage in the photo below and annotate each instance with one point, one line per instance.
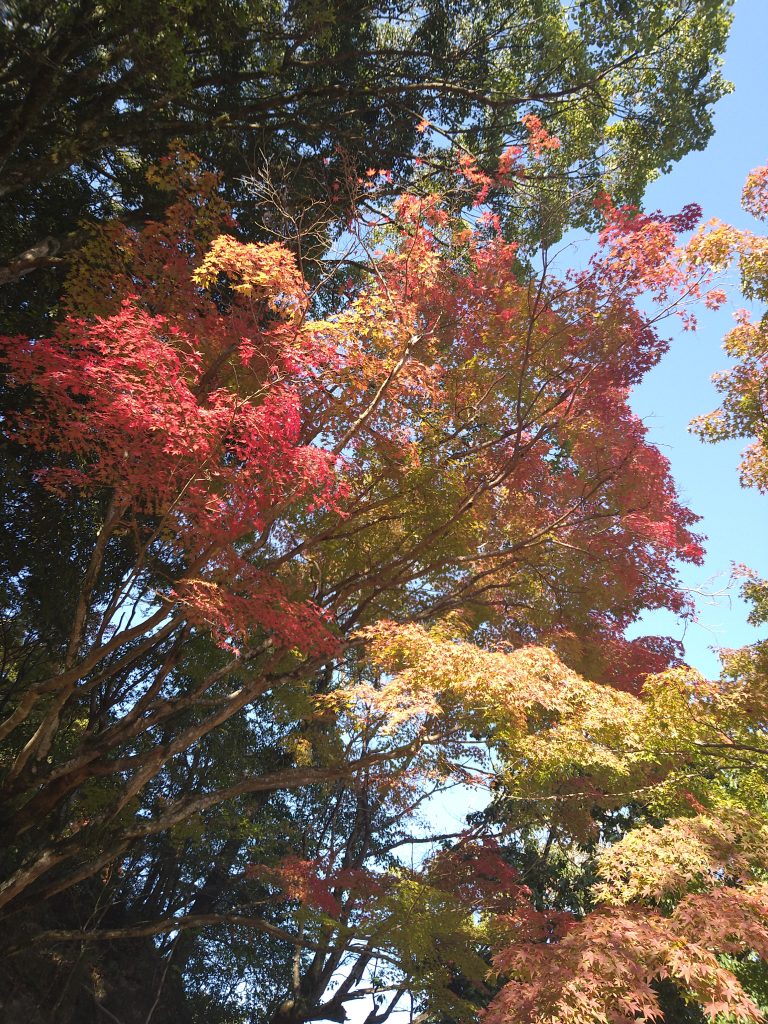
(412, 534)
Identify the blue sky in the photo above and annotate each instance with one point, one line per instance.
(679, 388)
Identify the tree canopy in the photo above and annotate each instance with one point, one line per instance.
(92, 94)
(324, 499)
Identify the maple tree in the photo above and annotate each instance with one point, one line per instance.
(678, 910)
(335, 563)
(680, 897)
(742, 413)
(720, 246)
